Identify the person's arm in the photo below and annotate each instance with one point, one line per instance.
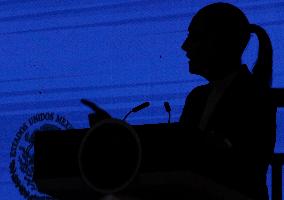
(98, 115)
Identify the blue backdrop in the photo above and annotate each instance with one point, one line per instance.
(118, 53)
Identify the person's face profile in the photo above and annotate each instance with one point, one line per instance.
(208, 48)
(201, 49)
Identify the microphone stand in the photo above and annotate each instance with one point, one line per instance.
(168, 110)
(124, 118)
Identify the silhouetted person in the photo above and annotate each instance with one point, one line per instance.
(233, 115)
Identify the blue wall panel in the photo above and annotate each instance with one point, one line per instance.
(117, 53)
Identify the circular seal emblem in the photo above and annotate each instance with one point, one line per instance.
(22, 151)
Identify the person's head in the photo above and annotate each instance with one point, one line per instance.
(217, 37)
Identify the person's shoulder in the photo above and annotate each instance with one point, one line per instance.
(199, 91)
(251, 91)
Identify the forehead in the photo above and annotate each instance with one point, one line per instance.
(210, 29)
(200, 31)
(200, 26)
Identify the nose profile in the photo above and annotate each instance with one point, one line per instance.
(185, 44)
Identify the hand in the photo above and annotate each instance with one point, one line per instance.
(99, 114)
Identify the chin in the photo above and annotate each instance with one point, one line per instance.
(192, 68)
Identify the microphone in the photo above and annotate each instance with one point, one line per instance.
(140, 107)
(168, 110)
(136, 109)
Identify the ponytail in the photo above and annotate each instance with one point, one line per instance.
(262, 70)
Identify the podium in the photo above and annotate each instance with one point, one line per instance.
(167, 167)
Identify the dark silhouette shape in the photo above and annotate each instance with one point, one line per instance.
(98, 115)
(137, 109)
(233, 115)
(109, 156)
(102, 114)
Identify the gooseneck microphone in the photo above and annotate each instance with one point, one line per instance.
(168, 110)
(136, 109)
(140, 107)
